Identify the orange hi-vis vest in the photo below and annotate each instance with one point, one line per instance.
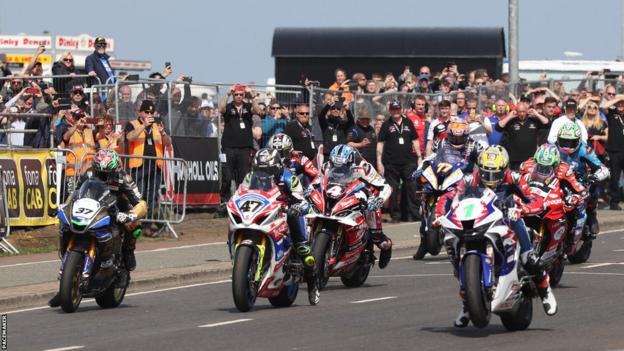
(136, 147)
(83, 147)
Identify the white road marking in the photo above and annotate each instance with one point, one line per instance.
(28, 263)
(127, 295)
(595, 273)
(601, 265)
(619, 250)
(377, 299)
(411, 275)
(440, 262)
(225, 323)
(66, 348)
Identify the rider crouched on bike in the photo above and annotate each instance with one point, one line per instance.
(547, 166)
(107, 167)
(378, 192)
(493, 172)
(578, 155)
(298, 163)
(268, 163)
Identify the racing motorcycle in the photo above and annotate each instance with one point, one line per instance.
(265, 265)
(578, 248)
(88, 217)
(486, 253)
(438, 176)
(548, 229)
(341, 246)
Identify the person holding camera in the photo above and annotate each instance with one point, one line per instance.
(73, 134)
(239, 132)
(274, 122)
(146, 136)
(334, 125)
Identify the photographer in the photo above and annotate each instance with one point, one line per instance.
(333, 123)
(146, 136)
(74, 134)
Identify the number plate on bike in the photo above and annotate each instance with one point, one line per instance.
(85, 208)
(249, 206)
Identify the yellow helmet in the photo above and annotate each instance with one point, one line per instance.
(493, 163)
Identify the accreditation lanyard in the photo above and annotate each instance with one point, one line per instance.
(399, 128)
(239, 112)
(307, 134)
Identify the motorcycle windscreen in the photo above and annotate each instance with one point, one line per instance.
(343, 175)
(93, 188)
(261, 181)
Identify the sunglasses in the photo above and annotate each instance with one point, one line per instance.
(149, 112)
(303, 113)
(16, 83)
(610, 94)
(593, 107)
(274, 107)
(68, 60)
(238, 94)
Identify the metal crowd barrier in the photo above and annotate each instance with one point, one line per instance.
(163, 187)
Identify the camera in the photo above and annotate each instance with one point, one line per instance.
(187, 79)
(158, 120)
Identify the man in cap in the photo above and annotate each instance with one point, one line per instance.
(146, 136)
(569, 109)
(97, 64)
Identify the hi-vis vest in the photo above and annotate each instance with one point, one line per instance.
(136, 147)
(82, 145)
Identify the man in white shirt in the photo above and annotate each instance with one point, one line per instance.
(569, 108)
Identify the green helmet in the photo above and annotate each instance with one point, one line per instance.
(105, 162)
(569, 138)
(547, 158)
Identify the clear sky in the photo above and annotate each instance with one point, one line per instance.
(230, 40)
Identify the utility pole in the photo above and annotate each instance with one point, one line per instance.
(622, 29)
(514, 73)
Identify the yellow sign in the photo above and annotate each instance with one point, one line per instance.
(29, 178)
(13, 58)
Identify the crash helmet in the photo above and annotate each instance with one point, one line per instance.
(457, 133)
(569, 138)
(493, 163)
(105, 163)
(267, 161)
(343, 155)
(547, 158)
(283, 144)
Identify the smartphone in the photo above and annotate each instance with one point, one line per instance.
(118, 128)
(167, 64)
(594, 73)
(32, 91)
(132, 77)
(89, 120)
(158, 120)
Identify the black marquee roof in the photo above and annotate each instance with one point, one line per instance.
(389, 42)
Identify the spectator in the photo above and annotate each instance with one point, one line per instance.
(342, 83)
(479, 128)
(423, 85)
(334, 125)
(79, 99)
(300, 131)
(238, 134)
(97, 64)
(360, 79)
(444, 115)
(501, 109)
(108, 138)
(570, 108)
(397, 157)
(597, 133)
(210, 118)
(379, 121)
(74, 134)
(615, 140)
(41, 139)
(147, 137)
(155, 92)
(417, 115)
(550, 111)
(273, 123)
(4, 69)
(522, 131)
(194, 123)
(64, 66)
(126, 108)
(460, 100)
(15, 86)
(363, 137)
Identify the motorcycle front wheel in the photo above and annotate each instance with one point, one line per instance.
(556, 272)
(322, 255)
(476, 300)
(582, 255)
(244, 271)
(70, 293)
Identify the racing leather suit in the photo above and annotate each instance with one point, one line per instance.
(301, 166)
(469, 153)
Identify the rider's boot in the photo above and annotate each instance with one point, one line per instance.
(131, 233)
(384, 244)
(462, 319)
(422, 248)
(309, 271)
(592, 224)
(55, 301)
(535, 266)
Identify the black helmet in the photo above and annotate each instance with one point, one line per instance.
(267, 161)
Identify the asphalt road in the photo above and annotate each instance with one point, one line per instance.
(408, 306)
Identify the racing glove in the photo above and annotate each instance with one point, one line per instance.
(375, 204)
(573, 200)
(437, 222)
(123, 217)
(297, 209)
(514, 213)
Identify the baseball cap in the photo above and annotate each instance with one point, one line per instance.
(570, 105)
(206, 104)
(239, 88)
(147, 106)
(423, 76)
(394, 105)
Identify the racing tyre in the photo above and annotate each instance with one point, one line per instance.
(243, 285)
(111, 297)
(432, 238)
(477, 302)
(356, 278)
(556, 272)
(71, 296)
(286, 297)
(322, 255)
(582, 255)
(521, 317)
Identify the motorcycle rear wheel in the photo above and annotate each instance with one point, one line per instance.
(556, 272)
(243, 273)
(521, 317)
(111, 297)
(476, 300)
(320, 251)
(357, 277)
(286, 296)
(582, 255)
(71, 296)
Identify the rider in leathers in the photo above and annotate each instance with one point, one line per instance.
(298, 163)
(107, 167)
(378, 192)
(493, 172)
